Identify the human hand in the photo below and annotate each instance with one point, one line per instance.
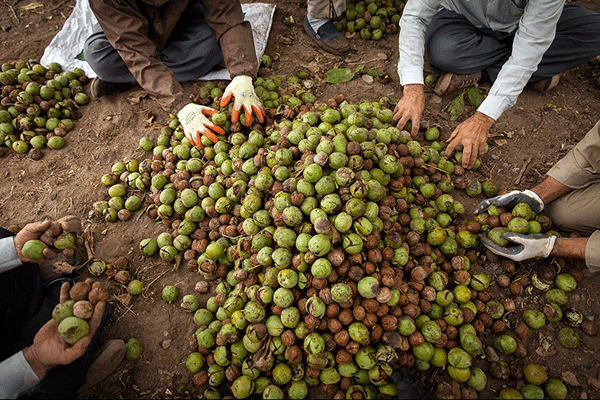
(242, 90)
(49, 349)
(511, 199)
(195, 122)
(33, 231)
(472, 134)
(410, 107)
(529, 246)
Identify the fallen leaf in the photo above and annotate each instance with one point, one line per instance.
(457, 107)
(60, 267)
(545, 353)
(594, 382)
(339, 75)
(136, 97)
(31, 6)
(501, 142)
(570, 378)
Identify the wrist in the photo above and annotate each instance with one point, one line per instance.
(413, 88)
(486, 120)
(36, 365)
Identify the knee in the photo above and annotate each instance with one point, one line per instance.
(96, 52)
(564, 218)
(442, 51)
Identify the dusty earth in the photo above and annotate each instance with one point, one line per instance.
(533, 135)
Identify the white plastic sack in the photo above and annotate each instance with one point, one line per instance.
(66, 47)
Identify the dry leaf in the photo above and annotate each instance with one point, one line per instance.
(136, 97)
(570, 378)
(546, 352)
(31, 6)
(594, 382)
(500, 142)
(60, 267)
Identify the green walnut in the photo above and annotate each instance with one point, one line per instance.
(34, 249)
(71, 329)
(133, 349)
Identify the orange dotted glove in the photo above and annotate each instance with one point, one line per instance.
(242, 90)
(195, 122)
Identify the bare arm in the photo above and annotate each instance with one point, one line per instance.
(550, 189)
(570, 248)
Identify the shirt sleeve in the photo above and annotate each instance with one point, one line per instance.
(416, 16)
(534, 36)
(16, 376)
(8, 255)
(127, 31)
(581, 166)
(234, 36)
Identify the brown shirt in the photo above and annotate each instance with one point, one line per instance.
(138, 28)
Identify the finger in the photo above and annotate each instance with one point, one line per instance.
(248, 116)
(70, 223)
(402, 122)
(97, 316)
(451, 146)
(64, 292)
(415, 126)
(235, 115)
(259, 112)
(215, 129)
(225, 100)
(78, 349)
(481, 207)
(49, 254)
(207, 112)
(213, 138)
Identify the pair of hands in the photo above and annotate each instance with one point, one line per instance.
(49, 350)
(38, 230)
(528, 246)
(472, 133)
(194, 118)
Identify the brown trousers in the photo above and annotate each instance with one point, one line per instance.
(579, 210)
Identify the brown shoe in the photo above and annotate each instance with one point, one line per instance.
(99, 88)
(328, 38)
(105, 363)
(449, 82)
(546, 85)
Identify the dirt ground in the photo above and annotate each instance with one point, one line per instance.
(533, 135)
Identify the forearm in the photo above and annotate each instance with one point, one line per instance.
(417, 14)
(550, 189)
(16, 376)
(570, 248)
(234, 36)
(8, 255)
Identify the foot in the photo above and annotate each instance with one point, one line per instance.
(449, 82)
(546, 85)
(328, 38)
(105, 363)
(99, 88)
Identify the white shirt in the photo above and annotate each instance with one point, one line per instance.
(16, 375)
(535, 23)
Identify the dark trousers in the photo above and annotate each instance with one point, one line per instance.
(26, 304)
(455, 45)
(191, 51)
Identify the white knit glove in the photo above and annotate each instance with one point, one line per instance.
(529, 246)
(511, 199)
(242, 90)
(195, 122)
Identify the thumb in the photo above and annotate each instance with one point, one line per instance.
(517, 237)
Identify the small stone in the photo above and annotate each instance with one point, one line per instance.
(368, 79)
(165, 333)
(583, 395)
(166, 344)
